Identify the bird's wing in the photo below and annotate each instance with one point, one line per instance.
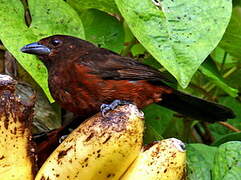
(110, 65)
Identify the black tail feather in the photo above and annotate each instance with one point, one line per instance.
(196, 108)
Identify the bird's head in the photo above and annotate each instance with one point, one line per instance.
(57, 48)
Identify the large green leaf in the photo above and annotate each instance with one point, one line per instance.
(227, 162)
(111, 38)
(104, 5)
(179, 34)
(231, 41)
(200, 160)
(48, 18)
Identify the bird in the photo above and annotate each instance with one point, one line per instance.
(85, 79)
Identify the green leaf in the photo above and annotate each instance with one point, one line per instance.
(151, 135)
(227, 162)
(111, 38)
(235, 105)
(104, 5)
(157, 117)
(179, 34)
(236, 2)
(227, 138)
(137, 49)
(48, 18)
(128, 34)
(234, 79)
(209, 69)
(54, 17)
(219, 131)
(231, 41)
(200, 160)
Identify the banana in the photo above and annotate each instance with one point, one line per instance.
(162, 160)
(100, 148)
(16, 152)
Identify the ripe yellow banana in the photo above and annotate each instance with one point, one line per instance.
(163, 160)
(16, 157)
(100, 148)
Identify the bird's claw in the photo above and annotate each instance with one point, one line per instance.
(105, 108)
(62, 138)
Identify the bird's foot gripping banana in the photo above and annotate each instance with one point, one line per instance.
(100, 148)
(16, 152)
(162, 160)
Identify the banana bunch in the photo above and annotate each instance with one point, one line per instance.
(101, 148)
(16, 155)
(110, 148)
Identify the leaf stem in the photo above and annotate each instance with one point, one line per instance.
(229, 126)
(199, 132)
(207, 85)
(230, 72)
(211, 87)
(207, 135)
(2, 48)
(195, 136)
(224, 60)
(130, 44)
(187, 130)
(200, 89)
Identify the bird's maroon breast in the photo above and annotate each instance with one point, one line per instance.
(82, 92)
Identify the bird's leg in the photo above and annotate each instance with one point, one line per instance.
(105, 108)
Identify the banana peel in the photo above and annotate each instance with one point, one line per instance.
(100, 148)
(17, 150)
(162, 160)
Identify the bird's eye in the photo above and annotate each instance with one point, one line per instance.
(56, 42)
